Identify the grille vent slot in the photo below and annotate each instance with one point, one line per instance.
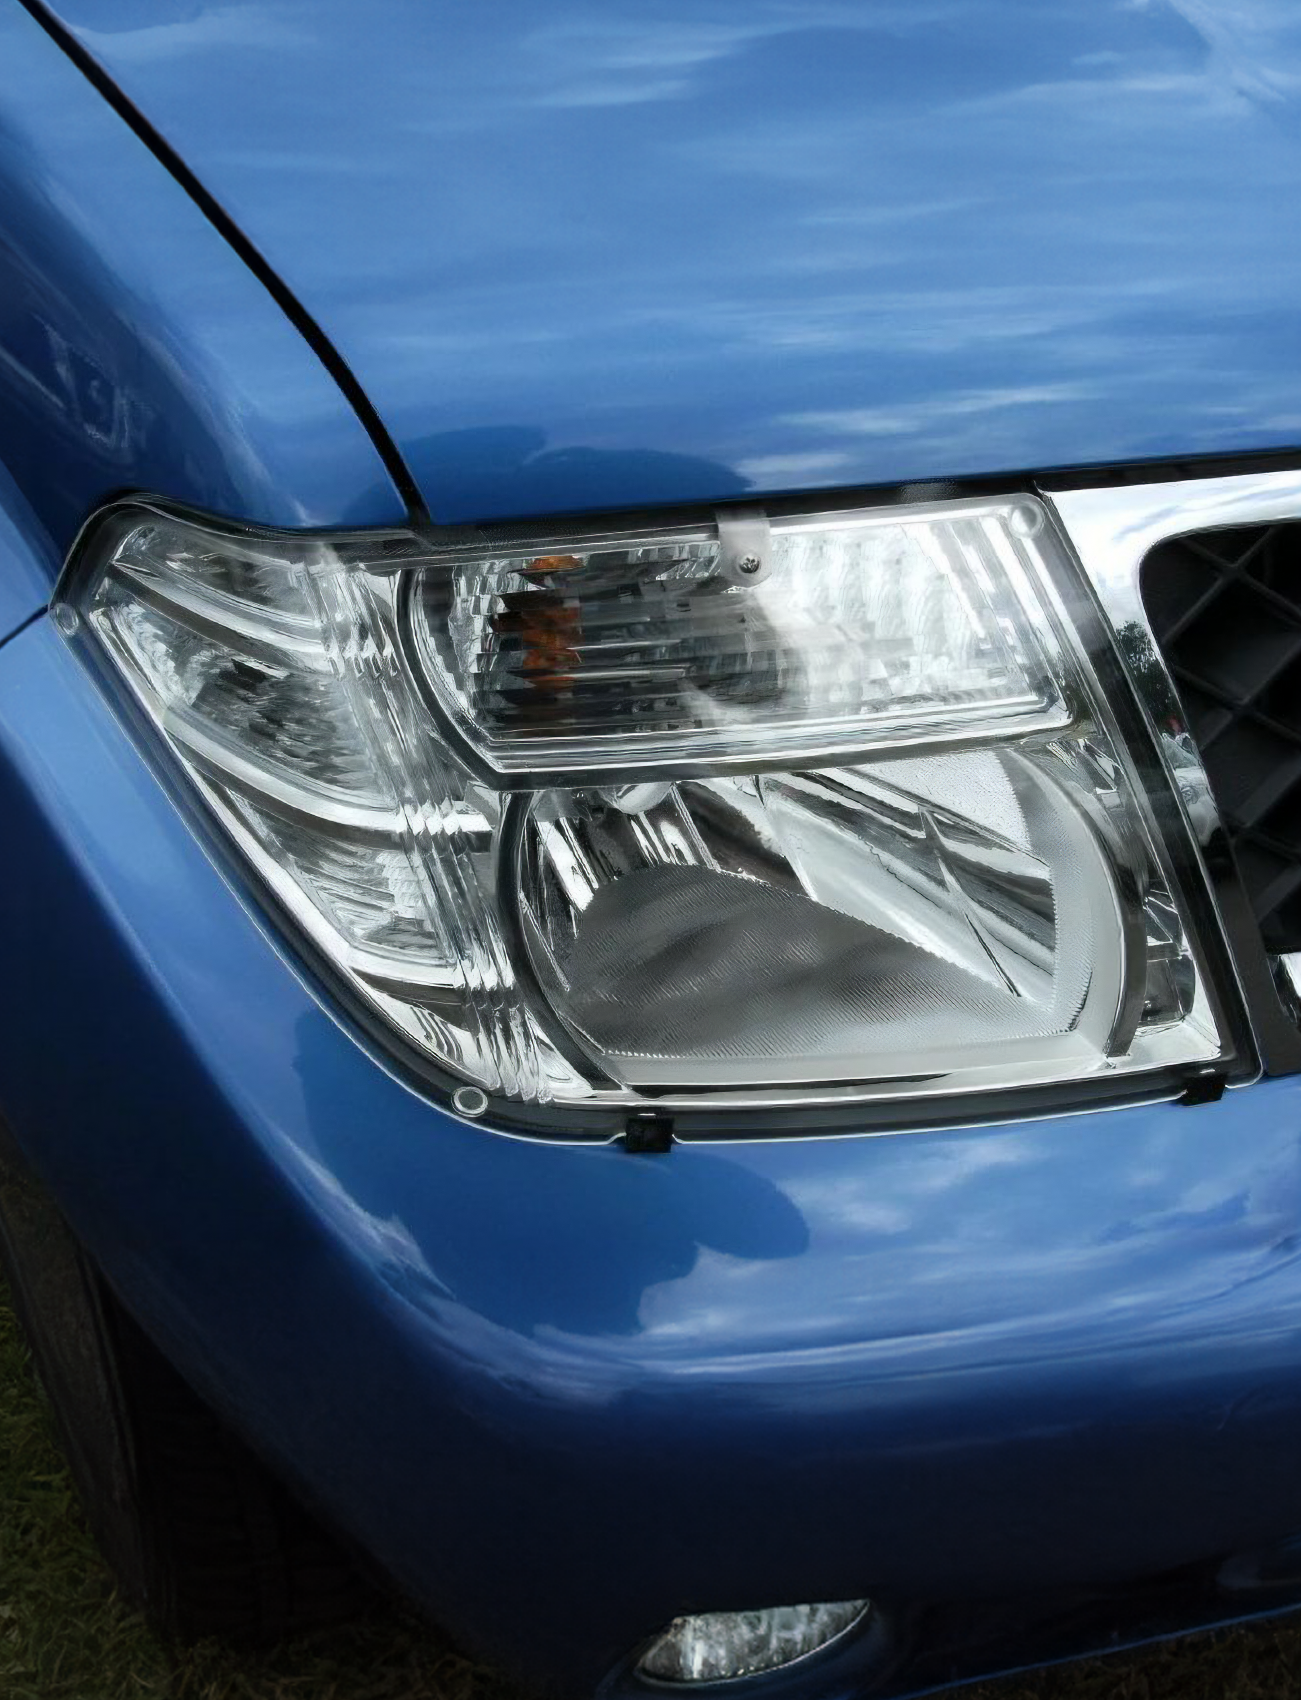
(1225, 609)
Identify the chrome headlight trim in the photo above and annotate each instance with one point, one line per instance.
(1112, 530)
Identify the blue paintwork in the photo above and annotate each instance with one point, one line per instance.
(136, 350)
(28, 559)
(596, 253)
(564, 1393)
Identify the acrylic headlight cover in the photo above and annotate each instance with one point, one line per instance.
(848, 824)
(791, 641)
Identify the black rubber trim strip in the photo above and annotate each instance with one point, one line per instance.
(251, 255)
(22, 625)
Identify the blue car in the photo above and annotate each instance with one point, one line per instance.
(650, 789)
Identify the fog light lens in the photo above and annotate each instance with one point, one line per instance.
(720, 1645)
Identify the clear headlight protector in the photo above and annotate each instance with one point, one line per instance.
(802, 643)
(781, 811)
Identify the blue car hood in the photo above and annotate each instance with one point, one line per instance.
(599, 253)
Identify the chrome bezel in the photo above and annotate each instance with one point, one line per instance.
(1112, 531)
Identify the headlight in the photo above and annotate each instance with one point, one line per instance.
(798, 810)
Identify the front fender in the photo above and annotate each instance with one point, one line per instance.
(563, 1393)
(28, 559)
(138, 351)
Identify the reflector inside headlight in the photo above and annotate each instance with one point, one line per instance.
(823, 809)
(947, 910)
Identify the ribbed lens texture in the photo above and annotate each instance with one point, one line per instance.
(376, 901)
(254, 717)
(279, 682)
(154, 556)
(846, 635)
(1225, 608)
(984, 911)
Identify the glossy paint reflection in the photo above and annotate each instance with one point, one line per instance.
(975, 1360)
(136, 349)
(28, 559)
(597, 256)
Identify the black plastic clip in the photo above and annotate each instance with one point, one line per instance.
(1205, 1087)
(648, 1132)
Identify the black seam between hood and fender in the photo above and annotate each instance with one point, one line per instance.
(247, 251)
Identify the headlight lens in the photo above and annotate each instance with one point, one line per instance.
(812, 809)
(821, 641)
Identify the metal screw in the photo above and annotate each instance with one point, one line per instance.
(65, 618)
(749, 564)
(470, 1100)
(1026, 521)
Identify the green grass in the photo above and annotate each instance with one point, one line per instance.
(65, 1634)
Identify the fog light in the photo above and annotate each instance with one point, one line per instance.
(720, 1645)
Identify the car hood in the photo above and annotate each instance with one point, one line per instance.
(602, 252)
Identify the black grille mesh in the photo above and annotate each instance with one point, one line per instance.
(1225, 608)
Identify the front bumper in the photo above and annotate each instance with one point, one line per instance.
(563, 1394)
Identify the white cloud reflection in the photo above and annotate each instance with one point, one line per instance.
(866, 244)
(1243, 39)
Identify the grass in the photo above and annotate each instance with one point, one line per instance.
(65, 1634)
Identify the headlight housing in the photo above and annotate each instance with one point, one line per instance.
(790, 811)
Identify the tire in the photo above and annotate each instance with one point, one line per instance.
(201, 1537)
